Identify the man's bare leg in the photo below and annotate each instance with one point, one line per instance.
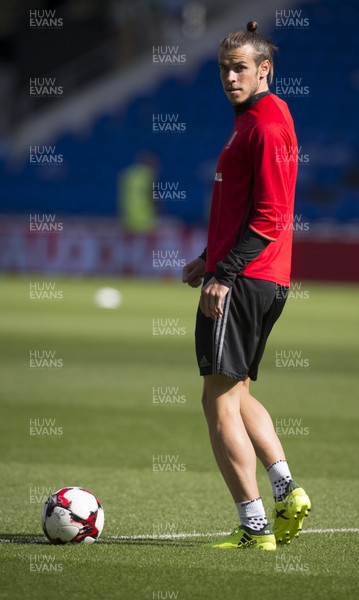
(236, 459)
(292, 502)
(260, 429)
(231, 444)
(267, 445)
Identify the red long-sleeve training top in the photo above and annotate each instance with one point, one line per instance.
(254, 187)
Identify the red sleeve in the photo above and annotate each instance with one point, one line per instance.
(271, 151)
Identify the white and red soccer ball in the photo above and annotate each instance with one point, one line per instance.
(73, 515)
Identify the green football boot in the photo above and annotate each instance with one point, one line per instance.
(244, 537)
(289, 512)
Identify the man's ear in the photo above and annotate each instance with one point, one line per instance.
(264, 69)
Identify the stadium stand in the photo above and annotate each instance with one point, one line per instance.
(321, 97)
(321, 94)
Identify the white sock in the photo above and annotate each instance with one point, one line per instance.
(279, 475)
(251, 514)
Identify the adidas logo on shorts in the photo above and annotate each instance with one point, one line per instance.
(204, 362)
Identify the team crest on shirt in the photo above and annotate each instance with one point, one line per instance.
(218, 177)
(231, 139)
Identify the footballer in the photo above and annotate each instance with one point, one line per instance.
(246, 270)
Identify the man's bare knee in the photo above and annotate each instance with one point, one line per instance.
(220, 396)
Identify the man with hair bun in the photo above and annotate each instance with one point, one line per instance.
(246, 270)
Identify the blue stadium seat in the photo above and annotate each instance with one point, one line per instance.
(92, 162)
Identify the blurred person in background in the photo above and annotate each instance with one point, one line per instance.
(135, 194)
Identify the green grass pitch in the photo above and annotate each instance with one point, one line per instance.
(108, 424)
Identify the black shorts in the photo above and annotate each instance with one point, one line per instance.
(234, 344)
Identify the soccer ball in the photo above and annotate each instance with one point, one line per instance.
(73, 515)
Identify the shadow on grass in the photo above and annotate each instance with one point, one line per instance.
(31, 538)
(152, 542)
(22, 538)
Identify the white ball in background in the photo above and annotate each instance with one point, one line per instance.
(108, 297)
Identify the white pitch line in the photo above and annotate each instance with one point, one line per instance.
(173, 536)
(349, 530)
(164, 536)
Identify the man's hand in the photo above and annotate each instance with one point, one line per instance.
(212, 296)
(193, 272)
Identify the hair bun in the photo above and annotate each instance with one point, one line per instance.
(252, 26)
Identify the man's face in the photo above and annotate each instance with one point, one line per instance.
(240, 76)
